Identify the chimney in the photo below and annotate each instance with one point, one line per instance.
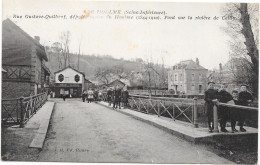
(197, 62)
(220, 67)
(37, 38)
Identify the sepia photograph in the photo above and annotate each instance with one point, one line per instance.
(154, 82)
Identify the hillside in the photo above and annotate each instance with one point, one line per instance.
(90, 64)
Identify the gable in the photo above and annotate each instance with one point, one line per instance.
(69, 76)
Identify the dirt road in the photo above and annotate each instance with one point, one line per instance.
(88, 132)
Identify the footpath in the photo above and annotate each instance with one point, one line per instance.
(187, 131)
(24, 144)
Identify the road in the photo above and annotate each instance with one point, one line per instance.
(88, 132)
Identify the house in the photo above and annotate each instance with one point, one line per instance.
(23, 59)
(69, 81)
(88, 84)
(187, 77)
(117, 82)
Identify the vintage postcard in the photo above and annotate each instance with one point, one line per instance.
(129, 82)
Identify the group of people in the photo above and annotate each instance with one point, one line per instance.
(92, 95)
(117, 96)
(242, 97)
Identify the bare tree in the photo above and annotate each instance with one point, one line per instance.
(57, 48)
(65, 43)
(244, 32)
(104, 75)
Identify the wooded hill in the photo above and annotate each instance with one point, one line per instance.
(104, 69)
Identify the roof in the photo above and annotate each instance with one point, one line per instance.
(188, 64)
(17, 45)
(87, 81)
(70, 68)
(126, 82)
(115, 82)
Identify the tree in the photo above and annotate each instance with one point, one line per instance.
(57, 48)
(104, 75)
(65, 43)
(244, 32)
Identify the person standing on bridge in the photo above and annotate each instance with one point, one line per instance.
(117, 98)
(84, 95)
(209, 96)
(223, 112)
(125, 96)
(109, 96)
(90, 95)
(244, 98)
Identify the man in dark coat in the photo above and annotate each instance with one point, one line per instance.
(117, 97)
(95, 94)
(223, 112)
(125, 96)
(109, 96)
(84, 95)
(209, 96)
(244, 98)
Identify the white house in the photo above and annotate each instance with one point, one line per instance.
(69, 81)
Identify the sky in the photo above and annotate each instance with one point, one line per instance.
(165, 40)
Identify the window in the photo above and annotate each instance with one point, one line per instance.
(77, 78)
(200, 77)
(193, 87)
(61, 77)
(192, 77)
(200, 88)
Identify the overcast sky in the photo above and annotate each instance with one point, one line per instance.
(174, 40)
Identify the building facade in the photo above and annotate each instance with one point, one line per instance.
(69, 81)
(23, 59)
(187, 77)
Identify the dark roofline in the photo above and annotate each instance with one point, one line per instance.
(71, 68)
(40, 49)
(115, 81)
(180, 63)
(88, 81)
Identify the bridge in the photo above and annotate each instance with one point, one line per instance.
(151, 130)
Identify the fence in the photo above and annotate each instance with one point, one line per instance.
(189, 110)
(165, 93)
(20, 110)
(176, 108)
(215, 111)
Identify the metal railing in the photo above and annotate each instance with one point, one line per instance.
(215, 111)
(176, 108)
(20, 110)
(165, 93)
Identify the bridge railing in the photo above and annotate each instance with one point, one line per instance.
(20, 110)
(164, 93)
(215, 111)
(176, 108)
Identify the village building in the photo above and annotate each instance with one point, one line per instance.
(71, 82)
(23, 59)
(187, 77)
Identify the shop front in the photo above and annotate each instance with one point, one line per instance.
(71, 90)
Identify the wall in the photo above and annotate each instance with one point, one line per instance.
(196, 81)
(11, 90)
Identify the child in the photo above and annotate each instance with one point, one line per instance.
(223, 97)
(210, 95)
(234, 112)
(244, 98)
